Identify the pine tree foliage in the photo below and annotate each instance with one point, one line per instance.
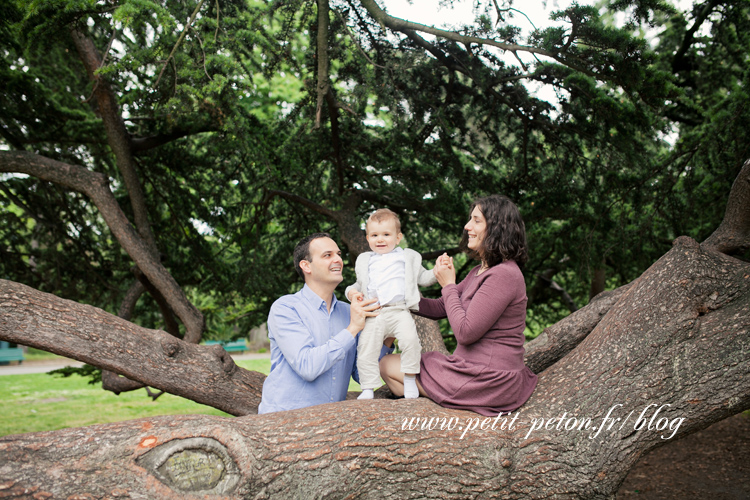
(220, 102)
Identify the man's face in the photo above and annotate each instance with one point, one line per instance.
(383, 236)
(325, 264)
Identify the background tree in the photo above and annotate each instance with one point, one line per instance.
(237, 140)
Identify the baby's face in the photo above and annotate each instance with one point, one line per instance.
(382, 236)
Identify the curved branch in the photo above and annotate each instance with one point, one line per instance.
(403, 26)
(302, 201)
(117, 135)
(733, 234)
(95, 186)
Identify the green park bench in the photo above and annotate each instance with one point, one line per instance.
(8, 354)
(234, 345)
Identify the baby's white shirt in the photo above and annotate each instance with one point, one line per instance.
(387, 273)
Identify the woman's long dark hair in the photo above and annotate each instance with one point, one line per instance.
(505, 236)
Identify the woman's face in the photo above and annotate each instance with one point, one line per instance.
(476, 229)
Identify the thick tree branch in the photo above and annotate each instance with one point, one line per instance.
(117, 135)
(120, 143)
(559, 339)
(322, 54)
(733, 234)
(207, 375)
(95, 186)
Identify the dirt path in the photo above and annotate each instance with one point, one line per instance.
(713, 464)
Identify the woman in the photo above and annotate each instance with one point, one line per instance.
(487, 312)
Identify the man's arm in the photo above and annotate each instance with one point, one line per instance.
(297, 343)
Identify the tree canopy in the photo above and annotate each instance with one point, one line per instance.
(226, 130)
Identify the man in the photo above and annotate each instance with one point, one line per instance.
(313, 335)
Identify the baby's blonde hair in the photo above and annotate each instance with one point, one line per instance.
(383, 214)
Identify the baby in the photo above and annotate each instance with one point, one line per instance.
(390, 274)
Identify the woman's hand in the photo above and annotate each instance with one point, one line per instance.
(444, 271)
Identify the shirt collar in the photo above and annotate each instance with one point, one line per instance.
(315, 300)
(392, 252)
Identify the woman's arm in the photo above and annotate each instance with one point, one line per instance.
(498, 290)
(431, 308)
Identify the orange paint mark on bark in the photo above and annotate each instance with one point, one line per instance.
(147, 425)
(148, 442)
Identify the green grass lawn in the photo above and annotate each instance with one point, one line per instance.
(41, 402)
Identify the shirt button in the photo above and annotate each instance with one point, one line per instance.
(334, 378)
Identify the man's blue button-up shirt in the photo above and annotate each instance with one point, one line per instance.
(312, 353)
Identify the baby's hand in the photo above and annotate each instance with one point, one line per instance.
(444, 271)
(358, 296)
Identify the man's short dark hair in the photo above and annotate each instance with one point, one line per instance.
(302, 251)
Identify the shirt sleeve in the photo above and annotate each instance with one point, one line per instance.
(297, 344)
(489, 302)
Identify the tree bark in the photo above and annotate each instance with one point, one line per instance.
(669, 358)
(733, 235)
(322, 55)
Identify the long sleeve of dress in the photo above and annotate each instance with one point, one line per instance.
(435, 308)
(489, 302)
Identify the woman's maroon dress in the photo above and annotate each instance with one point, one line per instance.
(485, 373)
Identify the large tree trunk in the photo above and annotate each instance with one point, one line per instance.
(669, 358)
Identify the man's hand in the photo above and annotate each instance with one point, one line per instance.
(359, 311)
(355, 296)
